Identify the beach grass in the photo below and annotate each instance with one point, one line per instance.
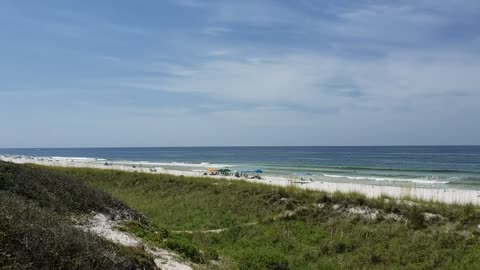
(255, 226)
(36, 227)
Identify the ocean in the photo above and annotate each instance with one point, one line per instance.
(420, 166)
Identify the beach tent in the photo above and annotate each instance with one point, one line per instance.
(212, 171)
(258, 171)
(224, 171)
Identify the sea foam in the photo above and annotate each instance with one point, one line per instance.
(389, 179)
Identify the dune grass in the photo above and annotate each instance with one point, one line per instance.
(255, 233)
(36, 229)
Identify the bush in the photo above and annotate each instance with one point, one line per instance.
(265, 260)
(336, 247)
(58, 192)
(416, 218)
(324, 198)
(185, 248)
(469, 214)
(211, 254)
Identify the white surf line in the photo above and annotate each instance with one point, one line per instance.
(449, 195)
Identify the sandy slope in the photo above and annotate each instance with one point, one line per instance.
(105, 227)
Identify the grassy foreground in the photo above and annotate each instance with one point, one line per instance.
(266, 227)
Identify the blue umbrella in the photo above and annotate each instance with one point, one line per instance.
(258, 171)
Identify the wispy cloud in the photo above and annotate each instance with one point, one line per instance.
(311, 79)
(215, 31)
(220, 53)
(388, 24)
(189, 3)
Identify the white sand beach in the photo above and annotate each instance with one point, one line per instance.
(450, 195)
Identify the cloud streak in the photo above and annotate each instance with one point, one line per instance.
(313, 79)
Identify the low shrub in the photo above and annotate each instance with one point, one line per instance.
(184, 248)
(416, 218)
(211, 254)
(267, 261)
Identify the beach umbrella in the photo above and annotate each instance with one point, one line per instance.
(258, 171)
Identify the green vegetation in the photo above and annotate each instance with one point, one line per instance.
(184, 248)
(267, 227)
(163, 238)
(36, 228)
(222, 224)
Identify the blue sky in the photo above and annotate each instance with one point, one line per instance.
(201, 73)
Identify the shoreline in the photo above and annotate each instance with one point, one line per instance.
(449, 196)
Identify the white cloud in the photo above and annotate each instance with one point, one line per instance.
(312, 80)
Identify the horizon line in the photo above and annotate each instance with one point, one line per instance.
(246, 146)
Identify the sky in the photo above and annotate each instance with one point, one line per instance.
(113, 73)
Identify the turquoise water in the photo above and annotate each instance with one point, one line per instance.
(439, 166)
